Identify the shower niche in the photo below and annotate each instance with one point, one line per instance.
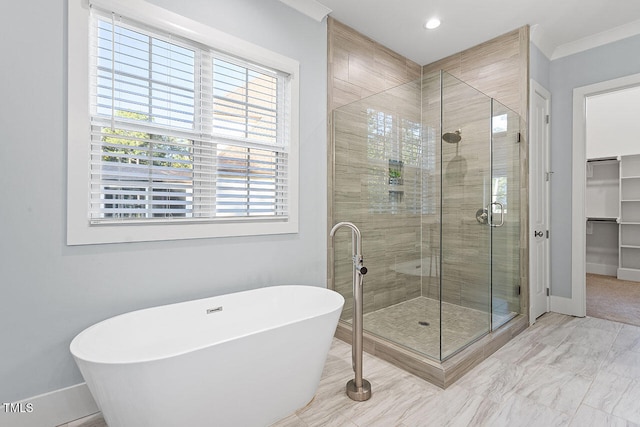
(396, 192)
(414, 168)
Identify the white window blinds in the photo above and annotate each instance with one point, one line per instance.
(182, 132)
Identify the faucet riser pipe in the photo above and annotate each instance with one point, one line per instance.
(357, 327)
(358, 389)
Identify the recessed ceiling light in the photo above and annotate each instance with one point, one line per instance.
(432, 23)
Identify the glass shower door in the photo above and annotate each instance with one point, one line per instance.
(505, 214)
(480, 215)
(465, 232)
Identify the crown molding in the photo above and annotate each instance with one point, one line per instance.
(543, 43)
(618, 33)
(311, 8)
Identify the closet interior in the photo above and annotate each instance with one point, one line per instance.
(613, 216)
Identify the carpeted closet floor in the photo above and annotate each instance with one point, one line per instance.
(613, 299)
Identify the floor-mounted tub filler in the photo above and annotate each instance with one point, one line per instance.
(243, 359)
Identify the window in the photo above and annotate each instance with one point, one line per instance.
(181, 135)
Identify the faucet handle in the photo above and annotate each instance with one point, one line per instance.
(357, 261)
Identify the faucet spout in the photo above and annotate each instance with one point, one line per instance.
(356, 237)
(356, 233)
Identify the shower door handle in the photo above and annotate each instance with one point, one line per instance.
(490, 210)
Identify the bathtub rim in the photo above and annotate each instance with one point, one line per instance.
(79, 355)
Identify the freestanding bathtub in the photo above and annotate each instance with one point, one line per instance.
(243, 359)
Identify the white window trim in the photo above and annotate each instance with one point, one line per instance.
(79, 229)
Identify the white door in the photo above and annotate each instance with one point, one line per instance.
(539, 176)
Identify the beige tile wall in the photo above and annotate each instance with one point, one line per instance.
(365, 196)
(500, 69)
(359, 68)
(473, 254)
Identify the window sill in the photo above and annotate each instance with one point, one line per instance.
(88, 234)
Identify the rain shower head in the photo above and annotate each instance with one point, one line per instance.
(452, 137)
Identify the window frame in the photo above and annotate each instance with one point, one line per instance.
(80, 230)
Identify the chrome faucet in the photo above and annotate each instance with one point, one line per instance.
(358, 388)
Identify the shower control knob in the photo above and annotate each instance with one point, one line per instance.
(363, 270)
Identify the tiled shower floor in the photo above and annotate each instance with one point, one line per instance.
(404, 324)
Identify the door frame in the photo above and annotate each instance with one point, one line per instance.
(536, 87)
(576, 304)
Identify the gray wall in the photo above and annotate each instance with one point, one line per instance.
(539, 66)
(50, 292)
(600, 64)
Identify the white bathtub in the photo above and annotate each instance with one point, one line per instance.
(251, 363)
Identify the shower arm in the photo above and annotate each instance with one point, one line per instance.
(358, 389)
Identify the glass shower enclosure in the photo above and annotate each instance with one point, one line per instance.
(430, 173)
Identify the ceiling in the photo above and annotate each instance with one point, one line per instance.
(559, 27)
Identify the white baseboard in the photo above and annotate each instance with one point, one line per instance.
(632, 274)
(50, 409)
(604, 269)
(566, 306)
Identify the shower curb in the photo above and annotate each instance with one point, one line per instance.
(445, 373)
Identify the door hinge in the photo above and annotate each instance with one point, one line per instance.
(519, 137)
(547, 234)
(548, 292)
(518, 290)
(547, 119)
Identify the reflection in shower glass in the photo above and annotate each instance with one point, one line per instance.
(414, 196)
(505, 243)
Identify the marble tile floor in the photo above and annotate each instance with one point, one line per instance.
(562, 371)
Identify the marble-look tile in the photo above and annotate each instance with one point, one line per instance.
(526, 353)
(621, 362)
(552, 320)
(552, 336)
(606, 391)
(596, 337)
(327, 406)
(581, 359)
(291, 421)
(628, 407)
(558, 389)
(454, 406)
(591, 417)
(628, 338)
(389, 404)
(595, 323)
(493, 379)
(520, 411)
